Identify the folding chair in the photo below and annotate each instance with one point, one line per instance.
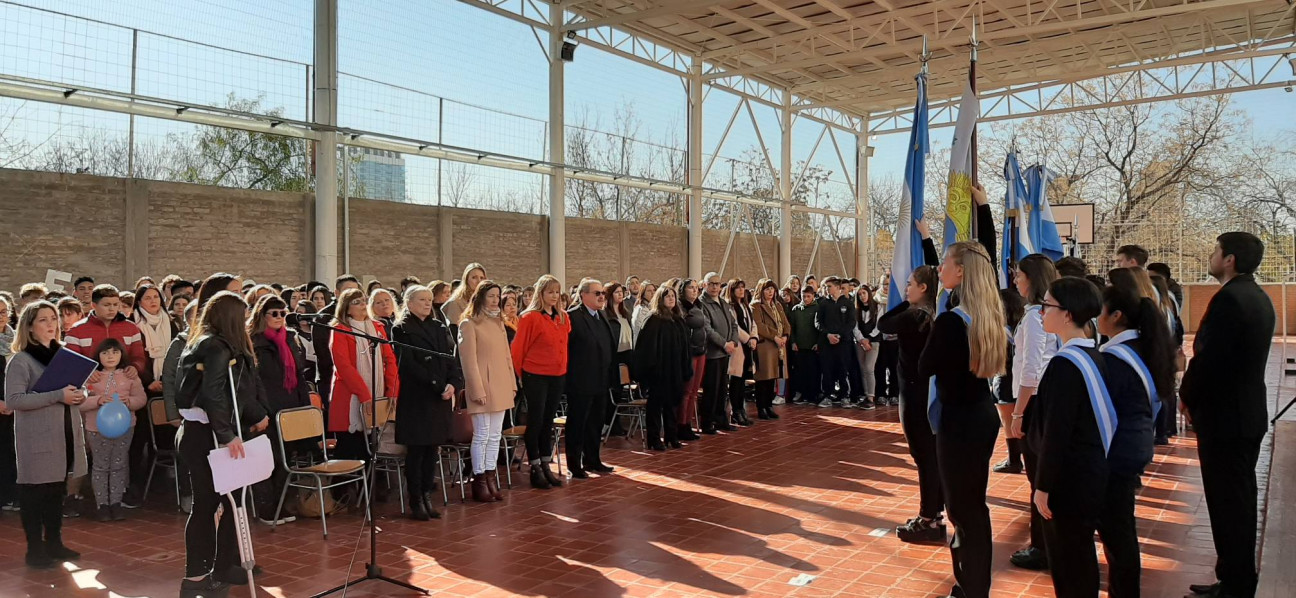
(461, 453)
(308, 422)
(636, 409)
(386, 461)
(511, 438)
(162, 457)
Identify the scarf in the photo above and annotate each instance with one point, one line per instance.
(6, 338)
(280, 339)
(42, 353)
(368, 371)
(157, 337)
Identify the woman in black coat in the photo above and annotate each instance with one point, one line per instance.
(664, 364)
(281, 370)
(427, 388)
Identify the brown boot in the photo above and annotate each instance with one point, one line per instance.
(492, 483)
(480, 490)
(554, 480)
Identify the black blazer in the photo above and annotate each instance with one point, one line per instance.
(590, 349)
(968, 411)
(1224, 387)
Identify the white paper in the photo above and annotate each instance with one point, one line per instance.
(231, 474)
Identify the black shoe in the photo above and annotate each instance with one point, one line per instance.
(656, 445)
(1030, 558)
(601, 468)
(207, 587)
(762, 413)
(727, 428)
(1199, 588)
(919, 531)
(538, 478)
(39, 559)
(687, 433)
(771, 413)
(675, 444)
(1007, 466)
(579, 474)
(708, 430)
(740, 421)
(427, 506)
(866, 404)
(418, 510)
(71, 507)
(57, 551)
(1161, 441)
(133, 500)
(103, 514)
(118, 513)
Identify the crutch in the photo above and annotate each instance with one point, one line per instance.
(241, 528)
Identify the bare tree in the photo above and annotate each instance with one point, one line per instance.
(457, 181)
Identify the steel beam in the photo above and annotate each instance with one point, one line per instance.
(557, 151)
(785, 190)
(326, 85)
(695, 99)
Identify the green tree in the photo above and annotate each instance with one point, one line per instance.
(246, 159)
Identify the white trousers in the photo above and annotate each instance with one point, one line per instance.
(487, 428)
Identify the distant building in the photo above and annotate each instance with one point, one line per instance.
(378, 174)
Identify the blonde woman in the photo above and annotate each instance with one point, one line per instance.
(540, 360)
(473, 275)
(968, 347)
(382, 307)
(489, 380)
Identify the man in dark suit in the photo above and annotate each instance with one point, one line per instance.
(590, 350)
(1226, 400)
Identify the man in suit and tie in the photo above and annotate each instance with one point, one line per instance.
(590, 350)
(1227, 402)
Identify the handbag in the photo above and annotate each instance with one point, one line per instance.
(308, 503)
(461, 426)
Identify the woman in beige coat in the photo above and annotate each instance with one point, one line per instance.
(490, 381)
(772, 329)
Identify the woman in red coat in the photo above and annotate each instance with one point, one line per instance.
(357, 377)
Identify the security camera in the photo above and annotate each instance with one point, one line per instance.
(1288, 89)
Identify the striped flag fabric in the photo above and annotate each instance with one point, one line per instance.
(908, 243)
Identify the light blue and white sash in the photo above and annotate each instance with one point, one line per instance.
(933, 405)
(1099, 399)
(1116, 347)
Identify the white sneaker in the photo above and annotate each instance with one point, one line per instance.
(779, 401)
(283, 520)
(826, 403)
(796, 397)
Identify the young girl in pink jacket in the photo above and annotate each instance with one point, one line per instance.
(110, 455)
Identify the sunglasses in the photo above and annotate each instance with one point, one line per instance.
(597, 293)
(277, 313)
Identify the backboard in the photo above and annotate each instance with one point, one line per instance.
(1075, 221)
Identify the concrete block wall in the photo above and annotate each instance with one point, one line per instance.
(117, 230)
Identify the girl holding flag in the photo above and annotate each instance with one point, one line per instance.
(1140, 370)
(1071, 431)
(967, 347)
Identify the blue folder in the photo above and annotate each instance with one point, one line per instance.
(68, 368)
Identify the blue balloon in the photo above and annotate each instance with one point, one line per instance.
(113, 419)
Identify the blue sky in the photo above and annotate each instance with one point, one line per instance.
(491, 71)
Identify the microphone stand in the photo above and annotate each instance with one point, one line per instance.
(372, 570)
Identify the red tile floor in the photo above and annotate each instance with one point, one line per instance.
(815, 494)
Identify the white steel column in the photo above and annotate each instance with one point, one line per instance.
(785, 191)
(695, 169)
(326, 199)
(557, 150)
(863, 210)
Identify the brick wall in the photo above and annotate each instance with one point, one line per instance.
(1198, 296)
(117, 230)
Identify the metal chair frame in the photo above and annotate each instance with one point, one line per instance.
(346, 467)
(387, 462)
(162, 457)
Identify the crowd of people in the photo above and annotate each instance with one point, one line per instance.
(1079, 371)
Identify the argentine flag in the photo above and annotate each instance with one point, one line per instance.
(1017, 238)
(908, 243)
(1042, 229)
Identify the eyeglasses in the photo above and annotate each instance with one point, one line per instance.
(355, 302)
(1047, 305)
(277, 313)
(598, 293)
(713, 284)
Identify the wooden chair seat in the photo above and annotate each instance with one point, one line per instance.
(330, 444)
(334, 467)
(560, 421)
(638, 403)
(515, 431)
